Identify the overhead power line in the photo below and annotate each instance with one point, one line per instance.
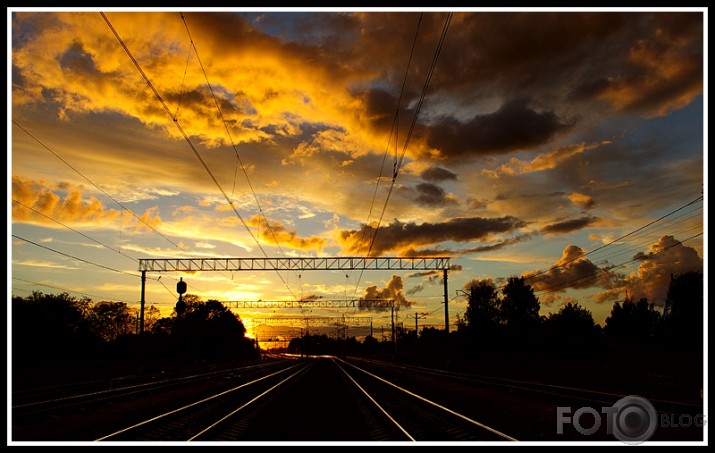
(398, 163)
(74, 257)
(72, 229)
(613, 241)
(639, 245)
(191, 145)
(558, 287)
(97, 187)
(148, 225)
(412, 127)
(233, 145)
(67, 290)
(394, 130)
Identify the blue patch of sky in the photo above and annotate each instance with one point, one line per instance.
(283, 25)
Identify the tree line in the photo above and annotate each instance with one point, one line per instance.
(52, 330)
(508, 322)
(60, 333)
(511, 319)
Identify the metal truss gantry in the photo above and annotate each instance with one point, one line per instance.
(292, 264)
(315, 322)
(312, 303)
(319, 303)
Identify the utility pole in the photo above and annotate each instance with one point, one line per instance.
(141, 309)
(446, 305)
(394, 340)
(418, 316)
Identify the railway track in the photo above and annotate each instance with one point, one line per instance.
(80, 411)
(323, 399)
(560, 392)
(311, 399)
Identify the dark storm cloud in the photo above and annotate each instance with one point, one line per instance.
(479, 249)
(431, 195)
(569, 225)
(525, 50)
(662, 71)
(438, 174)
(498, 245)
(643, 62)
(428, 252)
(647, 62)
(513, 127)
(399, 235)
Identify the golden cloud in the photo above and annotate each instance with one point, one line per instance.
(38, 204)
(259, 90)
(581, 200)
(667, 256)
(666, 74)
(542, 162)
(275, 233)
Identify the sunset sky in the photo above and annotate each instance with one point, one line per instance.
(567, 147)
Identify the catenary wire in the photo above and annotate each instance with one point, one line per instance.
(191, 145)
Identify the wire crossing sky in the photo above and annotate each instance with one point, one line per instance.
(567, 147)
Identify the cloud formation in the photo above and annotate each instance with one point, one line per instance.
(545, 161)
(567, 226)
(438, 174)
(532, 124)
(275, 233)
(392, 291)
(667, 256)
(494, 133)
(400, 236)
(572, 270)
(433, 195)
(38, 204)
(581, 200)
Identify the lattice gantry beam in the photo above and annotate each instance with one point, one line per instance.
(311, 303)
(287, 264)
(314, 321)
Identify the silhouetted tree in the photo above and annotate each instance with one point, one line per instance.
(370, 344)
(52, 326)
(571, 319)
(112, 319)
(632, 321)
(482, 313)
(519, 308)
(684, 309)
(572, 328)
(314, 345)
(163, 326)
(151, 316)
(209, 329)
(50, 338)
(432, 341)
